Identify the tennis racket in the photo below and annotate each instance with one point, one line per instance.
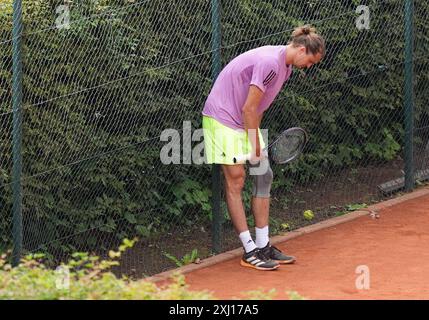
(287, 147)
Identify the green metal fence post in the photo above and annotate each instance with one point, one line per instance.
(216, 177)
(17, 132)
(409, 96)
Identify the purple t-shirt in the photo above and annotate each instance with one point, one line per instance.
(264, 67)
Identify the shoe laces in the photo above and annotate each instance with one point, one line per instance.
(261, 255)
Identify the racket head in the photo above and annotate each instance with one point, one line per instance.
(288, 145)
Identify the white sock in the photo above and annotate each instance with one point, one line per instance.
(262, 238)
(247, 241)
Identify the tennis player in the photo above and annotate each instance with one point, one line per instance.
(232, 114)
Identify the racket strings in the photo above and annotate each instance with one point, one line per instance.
(288, 146)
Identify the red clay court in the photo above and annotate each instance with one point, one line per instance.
(394, 248)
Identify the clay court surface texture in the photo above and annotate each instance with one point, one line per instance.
(351, 257)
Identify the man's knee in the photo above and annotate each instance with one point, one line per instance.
(235, 181)
(262, 184)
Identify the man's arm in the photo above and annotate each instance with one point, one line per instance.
(251, 117)
(260, 119)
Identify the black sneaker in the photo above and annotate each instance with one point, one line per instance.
(257, 260)
(275, 254)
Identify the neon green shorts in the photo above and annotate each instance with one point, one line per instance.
(222, 143)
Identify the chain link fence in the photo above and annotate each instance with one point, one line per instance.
(103, 80)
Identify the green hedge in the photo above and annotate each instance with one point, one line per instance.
(85, 277)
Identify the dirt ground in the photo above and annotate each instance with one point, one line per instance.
(324, 197)
(385, 258)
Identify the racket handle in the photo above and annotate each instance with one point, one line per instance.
(242, 158)
(246, 157)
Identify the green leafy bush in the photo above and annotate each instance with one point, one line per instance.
(188, 258)
(85, 277)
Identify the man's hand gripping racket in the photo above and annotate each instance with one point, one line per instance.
(287, 147)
